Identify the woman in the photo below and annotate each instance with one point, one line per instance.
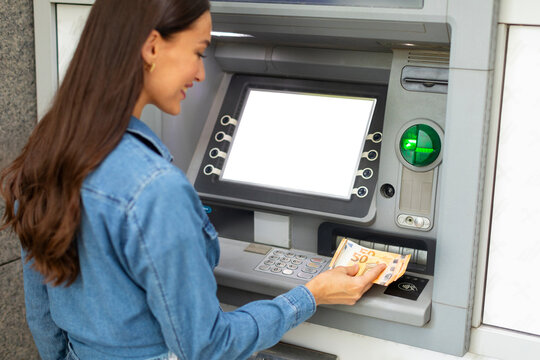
(118, 252)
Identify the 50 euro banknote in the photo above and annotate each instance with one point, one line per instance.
(349, 253)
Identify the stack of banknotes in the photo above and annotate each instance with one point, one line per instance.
(349, 253)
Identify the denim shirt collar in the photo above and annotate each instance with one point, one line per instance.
(140, 129)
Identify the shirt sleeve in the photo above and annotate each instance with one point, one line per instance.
(50, 340)
(166, 249)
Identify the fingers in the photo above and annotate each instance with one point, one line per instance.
(352, 270)
(372, 274)
(369, 277)
(348, 270)
(341, 286)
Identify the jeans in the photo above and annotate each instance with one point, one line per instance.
(169, 356)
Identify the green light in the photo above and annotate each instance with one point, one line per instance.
(409, 144)
(423, 150)
(420, 145)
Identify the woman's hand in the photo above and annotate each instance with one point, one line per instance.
(340, 286)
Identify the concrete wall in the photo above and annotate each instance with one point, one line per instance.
(17, 118)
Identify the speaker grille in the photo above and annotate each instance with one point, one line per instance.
(427, 57)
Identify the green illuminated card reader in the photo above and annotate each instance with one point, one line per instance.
(420, 145)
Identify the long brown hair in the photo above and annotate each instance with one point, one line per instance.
(87, 119)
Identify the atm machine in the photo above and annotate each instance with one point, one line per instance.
(361, 119)
(325, 119)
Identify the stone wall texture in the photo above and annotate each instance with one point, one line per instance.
(17, 119)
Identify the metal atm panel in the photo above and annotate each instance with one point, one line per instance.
(415, 54)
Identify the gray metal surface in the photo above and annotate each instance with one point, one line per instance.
(413, 4)
(402, 108)
(282, 351)
(236, 270)
(311, 63)
(453, 233)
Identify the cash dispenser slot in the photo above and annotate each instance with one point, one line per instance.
(422, 250)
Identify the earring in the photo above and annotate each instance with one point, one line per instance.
(150, 68)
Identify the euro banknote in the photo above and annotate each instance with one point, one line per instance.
(349, 253)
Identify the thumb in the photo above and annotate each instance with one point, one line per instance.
(372, 274)
(352, 270)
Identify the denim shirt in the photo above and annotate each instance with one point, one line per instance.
(147, 252)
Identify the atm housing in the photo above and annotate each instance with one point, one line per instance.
(421, 68)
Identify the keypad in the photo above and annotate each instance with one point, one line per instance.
(293, 264)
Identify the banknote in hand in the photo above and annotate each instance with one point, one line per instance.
(349, 253)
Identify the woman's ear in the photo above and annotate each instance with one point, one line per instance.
(150, 47)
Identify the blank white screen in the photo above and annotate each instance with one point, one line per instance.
(307, 143)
